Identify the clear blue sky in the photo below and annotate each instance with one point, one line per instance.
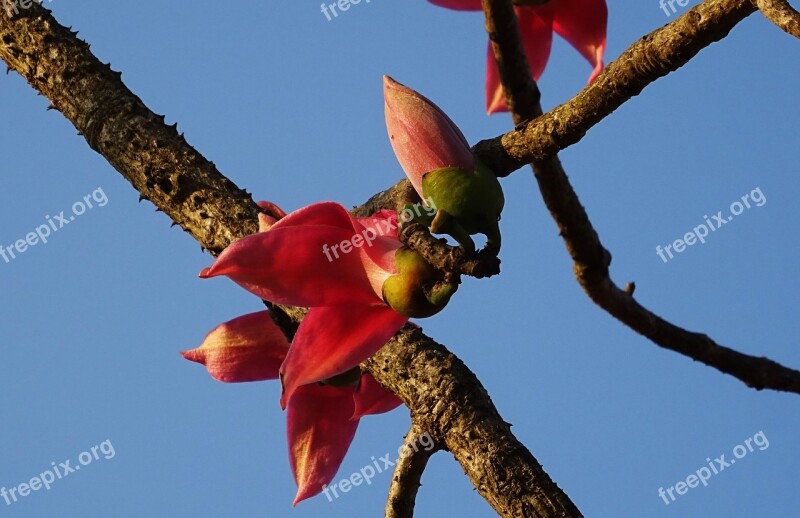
(289, 106)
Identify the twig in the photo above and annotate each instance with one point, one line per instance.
(408, 474)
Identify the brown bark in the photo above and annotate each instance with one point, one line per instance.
(781, 14)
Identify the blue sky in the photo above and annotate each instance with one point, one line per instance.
(289, 106)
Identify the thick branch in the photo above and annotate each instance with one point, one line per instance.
(152, 156)
(781, 14)
(463, 418)
(165, 169)
(650, 58)
(408, 474)
(591, 259)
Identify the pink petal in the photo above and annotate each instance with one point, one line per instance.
(319, 431)
(272, 215)
(333, 340)
(247, 348)
(495, 98)
(536, 29)
(298, 266)
(422, 135)
(378, 253)
(537, 38)
(459, 5)
(583, 24)
(326, 213)
(371, 398)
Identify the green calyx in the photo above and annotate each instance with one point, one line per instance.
(345, 379)
(418, 290)
(467, 203)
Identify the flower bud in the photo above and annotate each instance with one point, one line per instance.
(418, 290)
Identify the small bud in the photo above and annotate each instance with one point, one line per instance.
(418, 290)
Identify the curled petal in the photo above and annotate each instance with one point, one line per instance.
(320, 431)
(422, 135)
(371, 398)
(272, 213)
(332, 340)
(583, 24)
(247, 348)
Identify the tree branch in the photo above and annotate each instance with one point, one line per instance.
(462, 417)
(408, 474)
(653, 56)
(591, 259)
(781, 14)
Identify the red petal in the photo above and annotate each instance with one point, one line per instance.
(333, 340)
(327, 213)
(298, 266)
(320, 431)
(583, 24)
(459, 5)
(495, 98)
(537, 38)
(422, 135)
(371, 398)
(247, 348)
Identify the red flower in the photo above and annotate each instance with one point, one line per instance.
(581, 22)
(323, 258)
(321, 419)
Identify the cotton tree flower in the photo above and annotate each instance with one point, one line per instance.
(581, 22)
(359, 281)
(440, 165)
(321, 419)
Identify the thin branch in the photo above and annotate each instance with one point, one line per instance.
(781, 14)
(653, 56)
(592, 260)
(408, 473)
(451, 259)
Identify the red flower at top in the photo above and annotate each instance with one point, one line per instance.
(581, 22)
